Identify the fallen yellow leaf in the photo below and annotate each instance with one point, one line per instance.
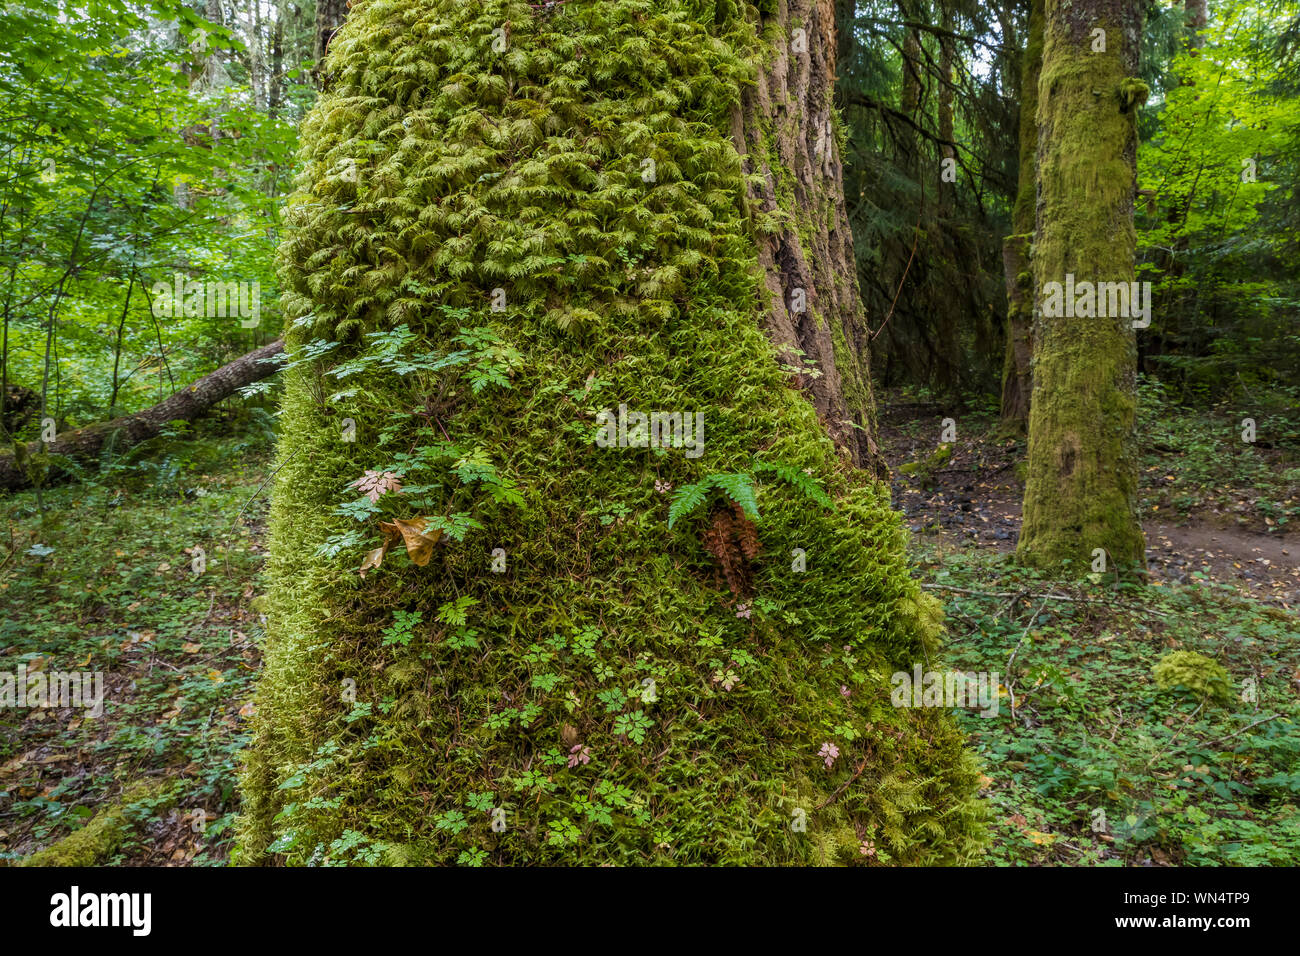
(419, 543)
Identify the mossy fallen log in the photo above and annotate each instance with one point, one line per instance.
(83, 446)
(99, 839)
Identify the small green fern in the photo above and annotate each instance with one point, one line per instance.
(739, 488)
(801, 480)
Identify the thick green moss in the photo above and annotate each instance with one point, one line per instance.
(1204, 677)
(521, 170)
(99, 839)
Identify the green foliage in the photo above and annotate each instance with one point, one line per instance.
(1098, 765)
(915, 235)
(1219, 165)
(399, 632)
(739, 489)
(127, 160)
(116, 591)
(1197, 462)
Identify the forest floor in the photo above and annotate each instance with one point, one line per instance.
(1087, 761)
(1227, 522)
(1090, 761)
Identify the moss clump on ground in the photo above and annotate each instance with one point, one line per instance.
(592, 691)
(922, 470)
(1205, 678)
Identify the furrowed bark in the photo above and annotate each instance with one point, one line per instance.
(785, 129)
(1017, 370)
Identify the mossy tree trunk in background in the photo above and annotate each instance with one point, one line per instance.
(511, 219)
(1082, 480)
(1017, 369)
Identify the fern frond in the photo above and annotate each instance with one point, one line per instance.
(739, 487)
(810, 487)
(686, 500)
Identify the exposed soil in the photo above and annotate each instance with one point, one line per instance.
(974, 500)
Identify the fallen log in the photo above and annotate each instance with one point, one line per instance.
(84, 445)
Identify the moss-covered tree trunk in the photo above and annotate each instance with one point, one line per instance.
(1082, 481)
(575, 642)
(1017, 367)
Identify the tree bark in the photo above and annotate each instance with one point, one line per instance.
(1017, 368)
(909, 98)
(785, 129)
(83, 445)
(277, 63)
(1080, 495)
(329, 17)
(946, 151)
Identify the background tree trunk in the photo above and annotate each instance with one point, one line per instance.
(785, 128)
(329, 17)
(1082, 481)
(1017, 368)
(946, 59)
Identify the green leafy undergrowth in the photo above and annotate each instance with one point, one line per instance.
(1101, 762)
(1198, 461)
(109, 582)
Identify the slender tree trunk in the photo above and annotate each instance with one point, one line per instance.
(277, 63)
(909, 99)
(329, 17)
(256, 55)
(946, 152)
(1082, 484)
(1017, 367)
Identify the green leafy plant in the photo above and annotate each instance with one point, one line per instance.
(739, 489)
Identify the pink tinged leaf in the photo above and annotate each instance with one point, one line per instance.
(829, 751)
(374, 484)
(579, 753)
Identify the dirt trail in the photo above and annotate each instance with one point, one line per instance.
(975, 500)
